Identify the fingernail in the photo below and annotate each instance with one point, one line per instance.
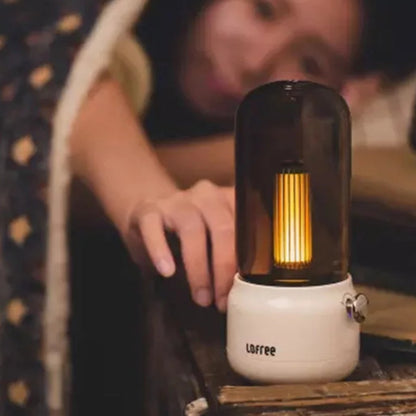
(222, 304)
(166, 268)
(203, 297)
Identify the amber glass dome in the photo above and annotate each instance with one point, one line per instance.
(293, 158)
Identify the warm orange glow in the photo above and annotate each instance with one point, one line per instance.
(292, 246)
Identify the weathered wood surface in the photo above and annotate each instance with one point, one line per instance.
(310, 395)
(207, 346)
(212, 364)
(203, 332)
(401, 371)
(184, 354)
(381, 362)
(399, 409)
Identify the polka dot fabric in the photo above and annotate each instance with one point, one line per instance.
(38, 42)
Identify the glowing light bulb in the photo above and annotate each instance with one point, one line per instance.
(292, 227)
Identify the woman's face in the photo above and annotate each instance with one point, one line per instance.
(236, 45)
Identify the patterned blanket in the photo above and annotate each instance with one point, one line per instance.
(39, 41)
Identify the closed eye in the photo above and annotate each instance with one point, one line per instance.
(265, 9)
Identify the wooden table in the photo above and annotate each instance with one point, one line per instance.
(141, 347)
(188, 372)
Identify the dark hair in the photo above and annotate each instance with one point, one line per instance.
(388, 36)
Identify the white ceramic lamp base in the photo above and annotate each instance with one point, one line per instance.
(292, 335)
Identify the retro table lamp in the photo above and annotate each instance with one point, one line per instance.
(293, 314)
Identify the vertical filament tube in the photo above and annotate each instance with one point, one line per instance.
(292, 228)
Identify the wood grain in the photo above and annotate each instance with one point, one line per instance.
(304, 395)
(402, 409)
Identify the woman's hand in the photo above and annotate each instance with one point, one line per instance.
(110, 152)
(190, 214)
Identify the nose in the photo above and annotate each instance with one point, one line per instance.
(260, 60)
(258, 65)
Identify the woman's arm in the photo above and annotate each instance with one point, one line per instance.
(111, 154)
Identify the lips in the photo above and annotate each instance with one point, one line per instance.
(223, 89)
